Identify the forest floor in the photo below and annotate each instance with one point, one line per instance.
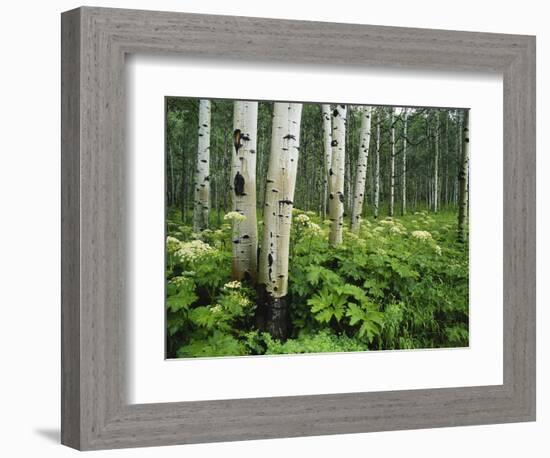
(399, 283)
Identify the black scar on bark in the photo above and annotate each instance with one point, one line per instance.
(205, 125)
(237, 140)
(334, 143)
(286, 202)
(236, 241)
(289, 137)
(238, 184)
(330, 172)
(207, 178)
(467, 140)
(246, 236)
(276, 316)
(245, 138)
(201, 135)
(335, 113)
(331, 196)
(204, 161)
(341, 197)
(252, 151)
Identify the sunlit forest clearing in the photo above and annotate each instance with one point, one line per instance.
(310, 228)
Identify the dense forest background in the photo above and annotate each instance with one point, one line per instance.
(428, 130)
(396, 279)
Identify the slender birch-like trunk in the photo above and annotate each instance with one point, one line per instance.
(336, 174)
(392, 163)
(377, 168)
(361, 173)
(327, 146)
(243, 173)
(279, 197)
(404, 167)
(436, 167)
(202, 173)
(463, 178)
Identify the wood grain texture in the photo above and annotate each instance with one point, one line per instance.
(95, 413)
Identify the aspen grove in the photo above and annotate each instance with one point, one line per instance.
(310, 228)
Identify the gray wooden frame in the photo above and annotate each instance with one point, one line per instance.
(95, 413)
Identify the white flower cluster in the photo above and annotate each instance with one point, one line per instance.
(190, 251)
(421, 235)
(172, 244)
(234, 216)
(233, 285)
(437, 249)
(216, 308)
(302, 219)
(397, 230)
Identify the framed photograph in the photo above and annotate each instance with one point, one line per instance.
(277, 228)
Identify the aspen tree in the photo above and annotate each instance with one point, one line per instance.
(243, 186)
(392, 162)
(463, 177)
(436, 165)
(377, 167)
(404, 164)
(279, 197)
(361, 173)
(336, 174)
(201, 205)
(327, 151)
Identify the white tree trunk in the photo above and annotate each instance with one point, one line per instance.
(243, 173)
(436, 168)
(202, 173)
(361, 173)
(377, 168)
(392, 163)
(336, 174)
(279, 197)
(327, 146)
(463, 178)
(404, 168)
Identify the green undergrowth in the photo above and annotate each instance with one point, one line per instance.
(399, 283)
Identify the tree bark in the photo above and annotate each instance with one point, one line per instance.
(361, 173)
(202, 172)
(377, 168)
(336, 174)
(463, 178)
(243, 185)
(327, 146)
(392, 163)
(279, 197)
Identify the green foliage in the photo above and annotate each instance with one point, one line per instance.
(398, 284)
